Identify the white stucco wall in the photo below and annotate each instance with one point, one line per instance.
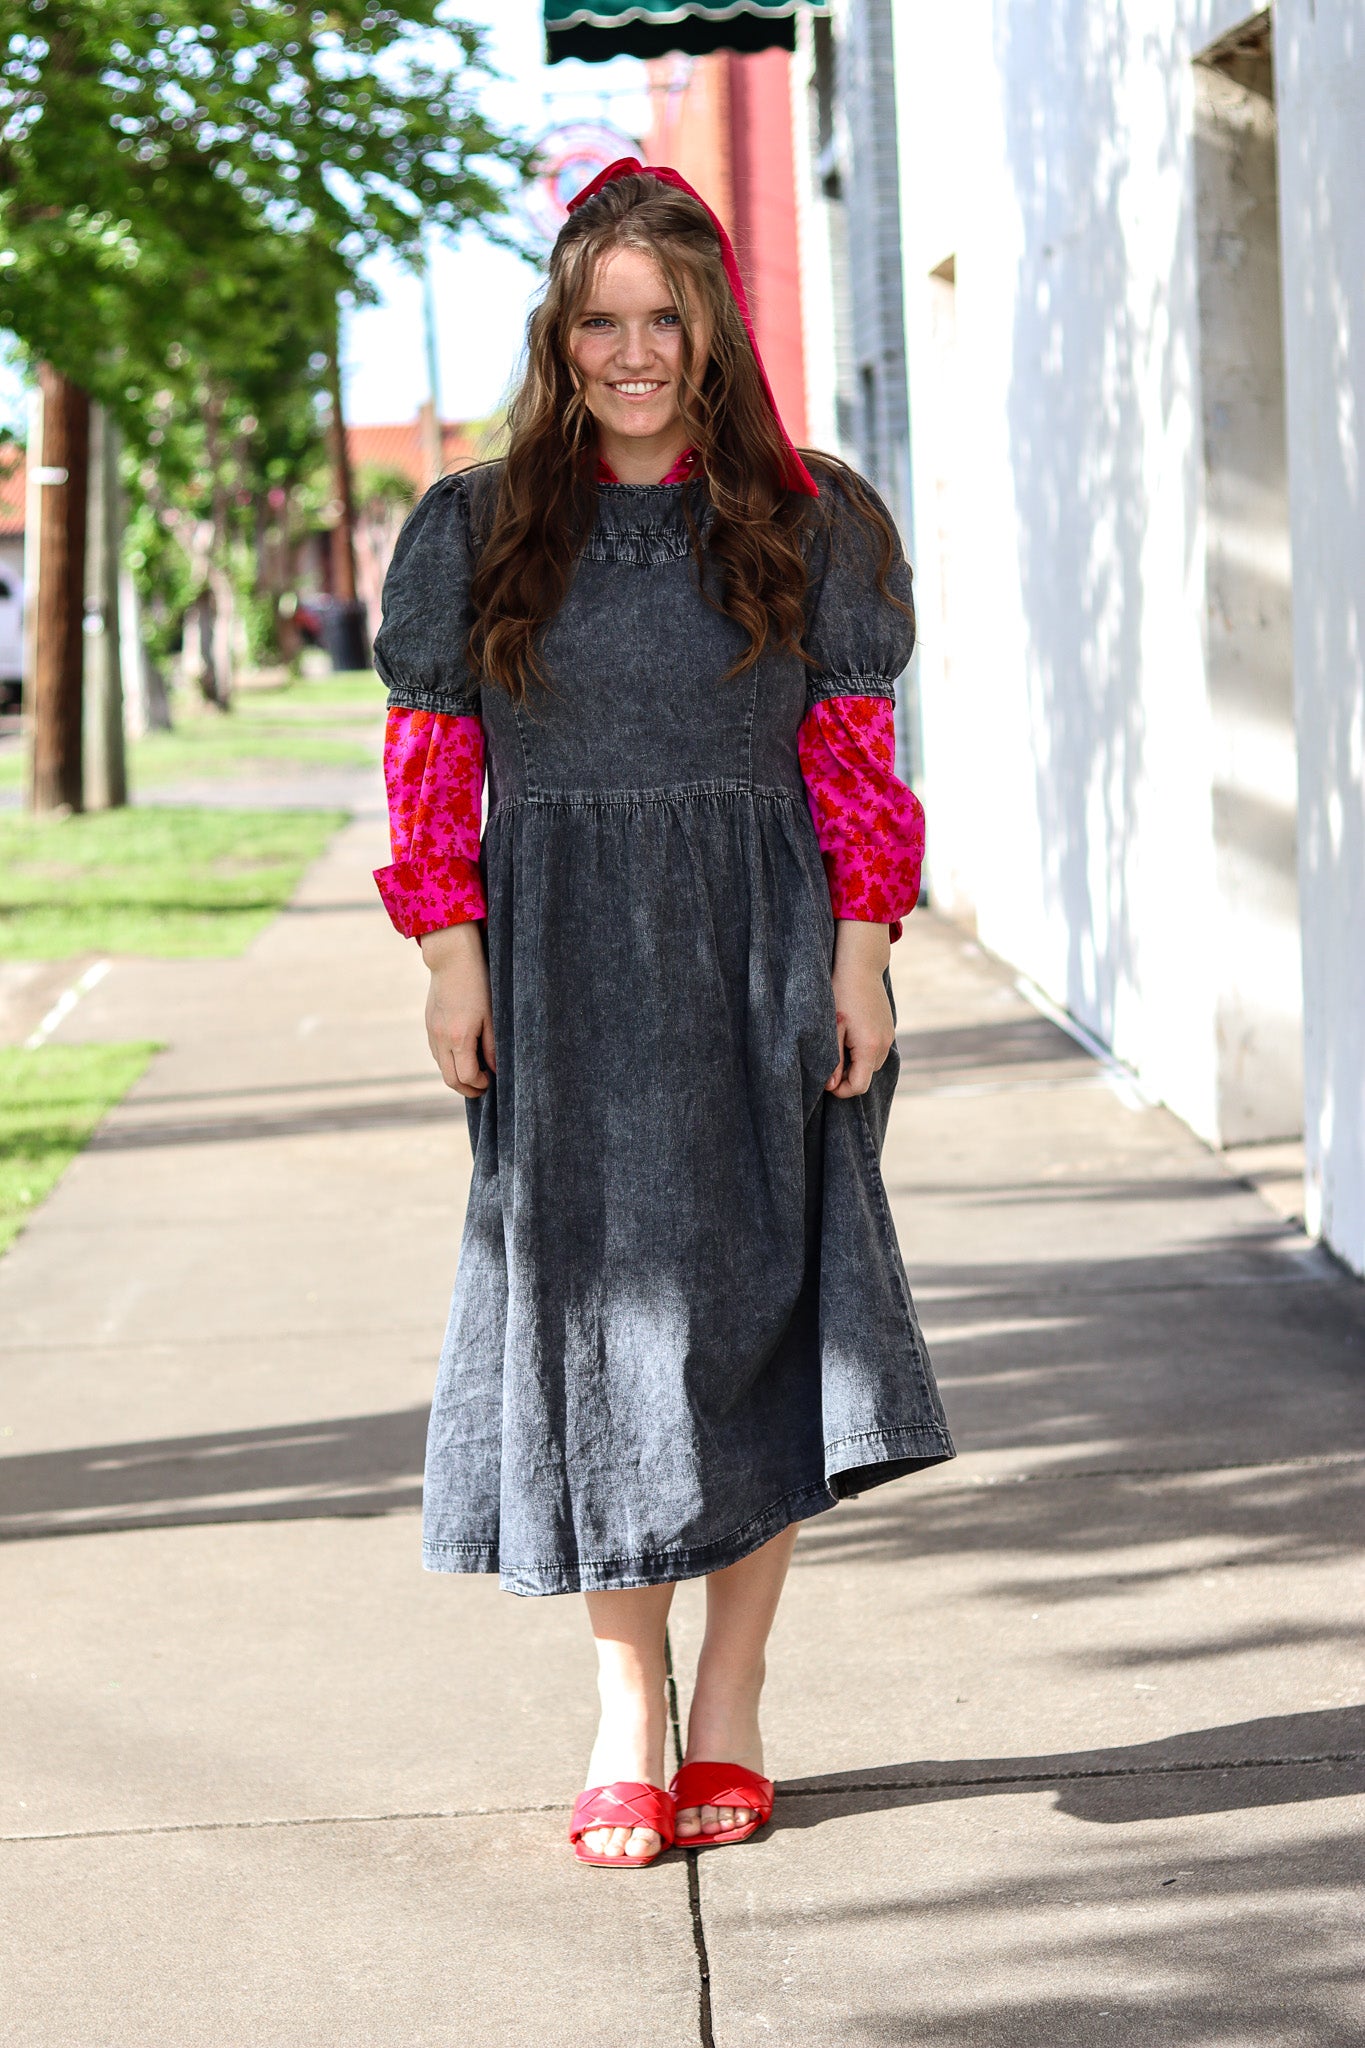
(1071, 746)
(1320, 53)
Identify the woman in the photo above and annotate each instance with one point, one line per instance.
(680, 1323)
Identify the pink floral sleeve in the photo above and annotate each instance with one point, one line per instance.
(869, 825)
(433, 772)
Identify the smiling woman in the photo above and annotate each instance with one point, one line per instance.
(680, 1323)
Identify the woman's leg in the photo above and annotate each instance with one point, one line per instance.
(629, 1630)
(722, 1727)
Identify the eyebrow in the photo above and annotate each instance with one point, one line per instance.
(602, 313)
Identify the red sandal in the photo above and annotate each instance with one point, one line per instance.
(625, 1804)
(706, 1784)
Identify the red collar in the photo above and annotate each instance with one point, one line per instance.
(680, 472)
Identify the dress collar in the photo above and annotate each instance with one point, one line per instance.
(679, 474)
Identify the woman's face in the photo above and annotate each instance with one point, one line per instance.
(627, 345)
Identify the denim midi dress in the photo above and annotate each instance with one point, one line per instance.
(680, 1318)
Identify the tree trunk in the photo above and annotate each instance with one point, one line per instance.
(56, 681)
(147, 704)
(106, 782)
(205, 624)
(224, 630)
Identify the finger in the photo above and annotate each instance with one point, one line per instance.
(468, 1073)
(859, 1070)
(837, 1076)
(444, 1056)
(490, 1050)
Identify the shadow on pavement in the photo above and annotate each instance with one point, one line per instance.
(352, 1465)
(1280, 1760)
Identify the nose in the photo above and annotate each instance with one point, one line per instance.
(635, 350)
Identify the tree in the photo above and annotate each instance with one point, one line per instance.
(163, 170)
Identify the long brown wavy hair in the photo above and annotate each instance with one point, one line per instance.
(756, 539)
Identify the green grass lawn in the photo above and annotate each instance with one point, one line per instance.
(50, 1102)
(175, 883)
(327, 723)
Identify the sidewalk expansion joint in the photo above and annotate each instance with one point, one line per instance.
(834, 1792)
(298, 1820)
(846, 1788)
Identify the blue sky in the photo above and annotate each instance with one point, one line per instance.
(482, 293)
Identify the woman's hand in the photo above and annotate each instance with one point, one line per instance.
(862, 1008)
(460, 1008)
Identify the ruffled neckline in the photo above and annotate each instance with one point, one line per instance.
(645, 523)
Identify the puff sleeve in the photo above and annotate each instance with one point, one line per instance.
(419, 649)
(433, 741)
(869, 825)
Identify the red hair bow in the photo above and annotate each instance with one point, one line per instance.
(796, 477)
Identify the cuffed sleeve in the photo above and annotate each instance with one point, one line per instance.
(433, 773)
(869, 826)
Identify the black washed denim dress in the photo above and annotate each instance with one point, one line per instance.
(680, 1319)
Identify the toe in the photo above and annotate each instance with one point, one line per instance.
(643, 1842)
(688, 1821)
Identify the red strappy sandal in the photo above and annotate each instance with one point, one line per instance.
(706, 1784)
(622, 1805)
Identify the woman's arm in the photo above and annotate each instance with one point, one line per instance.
(460, 1008)
(862, 1008)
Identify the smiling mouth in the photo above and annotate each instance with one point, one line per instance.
(638, 387)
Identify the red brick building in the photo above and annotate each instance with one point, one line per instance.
(725, 121)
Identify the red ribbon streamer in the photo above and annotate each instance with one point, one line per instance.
(795, 476)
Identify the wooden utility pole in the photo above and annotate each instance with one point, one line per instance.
(55, 684)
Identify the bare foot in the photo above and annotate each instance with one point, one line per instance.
(722, 1728)
(629, 1746)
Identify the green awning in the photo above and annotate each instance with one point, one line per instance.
(598, 29)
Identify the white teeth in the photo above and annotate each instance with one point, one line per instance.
(638, 390)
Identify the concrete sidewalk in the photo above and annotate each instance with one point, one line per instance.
(1067, 1730)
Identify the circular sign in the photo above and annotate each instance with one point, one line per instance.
(570, 158)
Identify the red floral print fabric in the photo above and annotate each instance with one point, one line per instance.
(870, 827)
(433, 772)
(680, 472)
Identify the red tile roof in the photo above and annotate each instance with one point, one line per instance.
(13, 482)
(401, 447)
